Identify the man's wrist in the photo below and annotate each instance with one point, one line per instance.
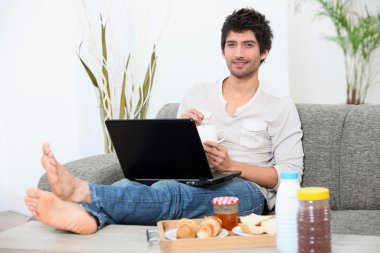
(236, 166)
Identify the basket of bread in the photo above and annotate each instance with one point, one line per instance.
(207, 233)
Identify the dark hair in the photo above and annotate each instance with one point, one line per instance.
(249, 19)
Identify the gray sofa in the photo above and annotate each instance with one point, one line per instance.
(342, 152)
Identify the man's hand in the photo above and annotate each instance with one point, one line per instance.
(217, 156)
(194, 114)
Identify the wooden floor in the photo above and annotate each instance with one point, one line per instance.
(10, 219)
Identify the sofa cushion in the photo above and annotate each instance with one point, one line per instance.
(168, 111)
(322, 127)
(99, 169)
(359, 222)
(359, 182)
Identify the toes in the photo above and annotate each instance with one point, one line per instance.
(50, 168)
(51, 155)
(33, 192)
(31, 203)
(32, 207)
(45, 161)
(29, 199)
(48, 161)
(35, 214)
(52, 161)
(46, 148)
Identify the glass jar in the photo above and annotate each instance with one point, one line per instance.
(313, 220)
(226, 209)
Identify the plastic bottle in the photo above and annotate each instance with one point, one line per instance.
(314, 216)
(286, 212)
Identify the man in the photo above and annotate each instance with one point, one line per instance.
(262, 138)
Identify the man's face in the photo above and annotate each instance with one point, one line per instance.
(242, 53)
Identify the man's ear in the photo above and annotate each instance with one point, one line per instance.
(264, 55)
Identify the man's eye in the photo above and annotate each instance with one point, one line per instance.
(249, 45)
(230, 44)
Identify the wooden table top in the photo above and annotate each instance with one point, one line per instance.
(36, 237)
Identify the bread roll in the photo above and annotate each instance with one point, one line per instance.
(209, 227)
(186, 228)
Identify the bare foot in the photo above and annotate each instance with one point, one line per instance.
(65, 215)
(62, 183)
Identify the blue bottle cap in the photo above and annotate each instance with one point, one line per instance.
(289, 174)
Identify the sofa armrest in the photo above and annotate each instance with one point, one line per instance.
(100, 169)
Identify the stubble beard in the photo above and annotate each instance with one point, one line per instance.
(249, 71)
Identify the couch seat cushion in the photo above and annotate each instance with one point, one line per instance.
(359, 222)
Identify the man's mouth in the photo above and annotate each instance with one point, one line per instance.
(240, 64)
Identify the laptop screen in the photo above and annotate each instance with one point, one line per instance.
(159, 149)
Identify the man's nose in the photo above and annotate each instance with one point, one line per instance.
(239, 52)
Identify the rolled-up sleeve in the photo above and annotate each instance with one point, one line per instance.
(287, 144)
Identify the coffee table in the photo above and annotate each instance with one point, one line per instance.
(36, 237)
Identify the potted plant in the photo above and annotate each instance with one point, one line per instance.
(358, 36)
(133, 100)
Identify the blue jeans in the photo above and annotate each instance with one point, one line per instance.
(128, 202)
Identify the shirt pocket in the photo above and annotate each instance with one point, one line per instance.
(254, 134)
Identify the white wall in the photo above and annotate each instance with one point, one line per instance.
(4, 178)
(39, 96)
(316, 66)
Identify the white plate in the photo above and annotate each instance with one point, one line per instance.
(171, 234)
(237, 230)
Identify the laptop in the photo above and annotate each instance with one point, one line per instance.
(150, 150)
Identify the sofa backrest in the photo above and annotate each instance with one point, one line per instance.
(322, 127)
(360, 159)
(342, 151)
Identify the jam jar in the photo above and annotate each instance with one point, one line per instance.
(226, 209)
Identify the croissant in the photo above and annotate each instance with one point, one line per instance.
(186, 228)
(209, 227)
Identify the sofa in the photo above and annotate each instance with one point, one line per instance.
(342, 152)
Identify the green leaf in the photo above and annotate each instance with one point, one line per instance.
(359, 37)
(123, 101)
(148, 81)
(104, 61)
(139, 105)
(89, 73)
(88, 70)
